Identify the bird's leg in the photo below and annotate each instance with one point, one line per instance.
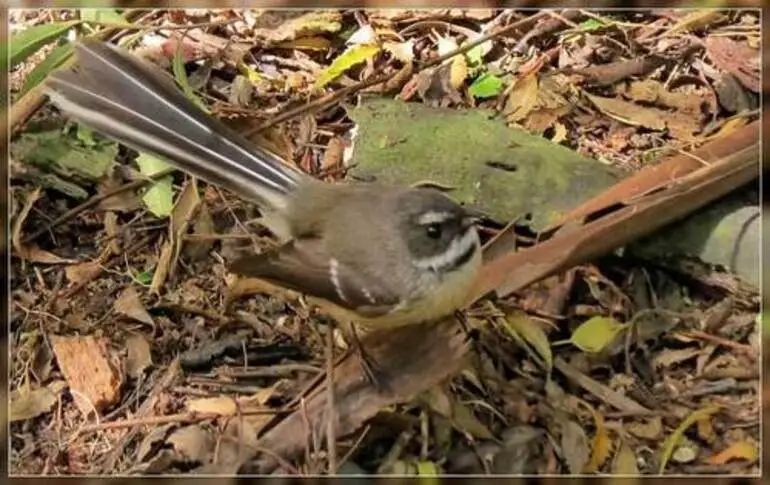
(372, 372)
(471, 334)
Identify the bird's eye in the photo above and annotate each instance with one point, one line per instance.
(433, 230)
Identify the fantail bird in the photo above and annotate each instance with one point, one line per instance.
(372, 255)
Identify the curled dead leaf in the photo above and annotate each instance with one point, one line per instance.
(521, 98)
(129, 304)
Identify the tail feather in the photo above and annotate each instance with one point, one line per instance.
(127, 99)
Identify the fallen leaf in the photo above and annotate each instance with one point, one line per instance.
(163, 267)
(574, 446)
(125, 201)
(138, 356)
(222, 405)
(695, 19)
(129, 304)
(559, 133)
(706, 431)
(352, 56)
(625, 460)
(647, 428)
(743, 450)
(159, 196)
(403, 51)
(458, 71)
(150, 442)
(486, 86)
(673, 440)
(531, 336)
(595, 334)
(600, 447)
(461, 416)
(686, 452)
(31, 403)
(737, 58)
(86, 365)
(35, 254)
(83, 272)
(313, 43)
(668, 357)
(364, 35)
(282, 26)
(192, 443)
(521, 98)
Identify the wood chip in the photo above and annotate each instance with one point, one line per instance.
(85, 364)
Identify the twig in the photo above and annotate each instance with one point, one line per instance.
(598, 389)
(191, 417)
(700, 335)
(374, 80)
(94, 201)
(153, 28)
(331, 415)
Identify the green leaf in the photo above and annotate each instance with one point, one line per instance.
(28, 41)
(159, 197)
(486, 86)
(181, 77)
(427, 469)
(144, 278)
(355, 54)
(591, 24)
(595, 334)
(53, 60)
(102, 15)
(532, 337)
(475, 55)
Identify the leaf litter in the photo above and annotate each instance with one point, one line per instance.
(617, 87)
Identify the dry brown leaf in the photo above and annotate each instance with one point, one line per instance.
(112, 231)
(668, 357)
(276, 26)
(27, 404)
(600, 447)
(163, 267)
(461, 416)
(743, 450)
(32, 253)
(647, 428)
(139, 357)
(574, 446)
(737, 58)
(129, 304)
(222, 405)
(679, 125)
(192, 443)
(625, 460)
(125, 201)
(695, 19)
(521, 98)
(313, 43)
(83, 272)
(87, 366)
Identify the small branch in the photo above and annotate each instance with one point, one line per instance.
(331, 414)
(191, 417)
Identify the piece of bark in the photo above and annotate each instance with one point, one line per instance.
(441, 347)
(86, 366)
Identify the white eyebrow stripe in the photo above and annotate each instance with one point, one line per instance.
(434, 217)
(457, 248)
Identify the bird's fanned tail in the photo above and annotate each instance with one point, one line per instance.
(135, 103)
